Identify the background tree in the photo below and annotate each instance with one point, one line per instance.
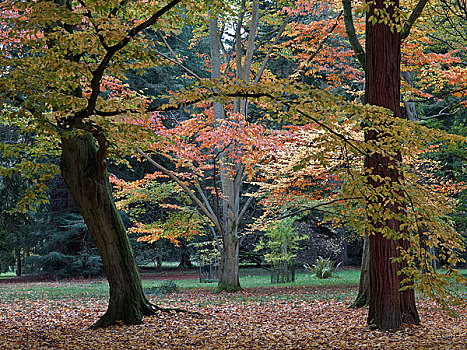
(227, 152)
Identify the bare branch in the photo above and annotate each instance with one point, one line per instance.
(206, 201)
(251, 41)
(238, 41)
(244, 209)
(178, 63)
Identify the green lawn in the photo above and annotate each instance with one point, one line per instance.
(249, 278)
(7, 275)
(253, 278)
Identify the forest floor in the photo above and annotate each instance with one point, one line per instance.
(56, 315)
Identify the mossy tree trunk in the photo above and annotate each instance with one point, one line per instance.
(88, 181)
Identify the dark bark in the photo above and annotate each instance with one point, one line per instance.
(87, 179)
(351, 34)
(18, 261)
(363, 297)
(389, 307)
(185, 261)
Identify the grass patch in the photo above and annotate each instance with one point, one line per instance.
(7, 275)
(100, 288)
(249, 279)
(54, 290)
(259, 278)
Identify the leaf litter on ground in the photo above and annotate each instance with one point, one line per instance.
(255, 318)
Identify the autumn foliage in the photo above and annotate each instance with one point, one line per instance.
(307, 146)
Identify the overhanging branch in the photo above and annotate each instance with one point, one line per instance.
(182, 185)
(352, 35)
(413, 17)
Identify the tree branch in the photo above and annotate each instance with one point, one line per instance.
(243, 211)
(413, 17)
(251, 41)
(317, 206)
(238, 41)
(266, 59)
(178, 63)
(206, 202)
(180, 183)
(352, 35)
(111, 51)
(324, 40)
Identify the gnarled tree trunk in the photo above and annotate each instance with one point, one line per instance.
(389, 307)
(89, 184)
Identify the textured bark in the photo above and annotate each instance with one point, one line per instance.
(389, 308)
(363, 297)
(88, 182)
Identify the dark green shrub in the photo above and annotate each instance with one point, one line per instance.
(166, 287)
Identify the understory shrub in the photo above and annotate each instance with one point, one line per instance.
(323, 268)
(166, 287)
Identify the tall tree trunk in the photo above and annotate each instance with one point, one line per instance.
(228, 269)
(89, 184)
(389, 307)
(363, 297)
(18, 261)
(228, 274)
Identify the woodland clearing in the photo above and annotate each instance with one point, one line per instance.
(56, 315)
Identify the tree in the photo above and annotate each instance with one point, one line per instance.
(24, 168)
(390, 306)
(280, 248)
(71, 48)
(228, 156)
(433, 69)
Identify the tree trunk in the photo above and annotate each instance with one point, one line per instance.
(363, 297)
(231, 185)
(89, 184)
(228, 269)
(389, 307)
(185, 261)
(18, 262)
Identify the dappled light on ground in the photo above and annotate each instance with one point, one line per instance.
(259, 318)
